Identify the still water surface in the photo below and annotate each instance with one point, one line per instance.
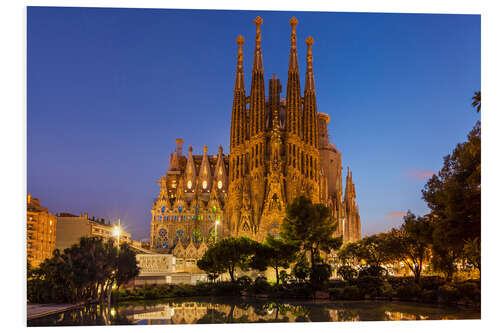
(235, 310)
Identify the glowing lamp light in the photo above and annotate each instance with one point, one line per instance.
(116, 231)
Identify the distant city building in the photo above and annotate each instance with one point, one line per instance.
(279, 149)
(41, 232)
(70, 228)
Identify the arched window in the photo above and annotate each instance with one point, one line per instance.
(189, 184)
(219, 184)
(204, 184)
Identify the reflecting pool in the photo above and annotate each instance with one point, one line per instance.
(237, 310)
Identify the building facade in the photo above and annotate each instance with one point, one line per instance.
(41, 232)
(279, 149)
(70, 228)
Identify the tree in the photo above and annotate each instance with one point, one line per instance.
(476, 101)
(310, 227)
(229, 253)
(301, 270)
(454, 198)
(411, 243)
(274, 253)
(472, 252)
(127, 268)
(84, 272)
(349, 253)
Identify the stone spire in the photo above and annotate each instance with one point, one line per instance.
(238, 118)
(293, 93)
(310, 107)
(257, 92)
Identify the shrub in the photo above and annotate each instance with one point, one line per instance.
(347, 273)
(244, 282)
(335, 293)
(227, 289)
(336, 284)
(375, 271)
(351, 293)
(431, 282)
(469, 291)
(320, 274)
(373, 286)
(409, 291)
(261, 286)
(284, 277)
(447, 294)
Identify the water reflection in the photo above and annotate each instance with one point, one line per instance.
(212, 311)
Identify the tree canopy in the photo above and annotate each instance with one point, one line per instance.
(227, 254)
(310, 227)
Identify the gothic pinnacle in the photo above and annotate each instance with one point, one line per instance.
(309, 72)
(257, 65)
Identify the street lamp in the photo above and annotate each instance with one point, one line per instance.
(116, 232)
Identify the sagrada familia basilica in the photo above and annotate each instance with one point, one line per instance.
(279, 149)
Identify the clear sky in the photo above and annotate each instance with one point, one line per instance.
(110, 89)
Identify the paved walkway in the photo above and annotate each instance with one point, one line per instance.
(41, 310)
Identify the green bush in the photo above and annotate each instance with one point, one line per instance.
(429, 295)
(347, 273)
(244, 281)
(374, 271)
(373, 286)
(409, 291)
(261, 286)
(335, 293)
(469, 291)
(320, 274)
(351, 293)
(337, 284)
(448, 294)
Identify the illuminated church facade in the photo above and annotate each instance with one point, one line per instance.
(279, 149)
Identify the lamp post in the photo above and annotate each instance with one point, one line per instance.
(116, 233)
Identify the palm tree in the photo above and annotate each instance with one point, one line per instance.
(476, 101)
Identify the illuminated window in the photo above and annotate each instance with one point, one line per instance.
(190, 184)
(50, 222)
(204, 184)
(219, 184)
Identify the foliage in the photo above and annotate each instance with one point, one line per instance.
(351, 293)
(411, 243)
(301, 270)
(320, 273)
(274, 253)
(85, 272)
(373, 285)
(454, 198)
(227, 254)
(310, 226)
(409, 291)
(476, 101)
(472, 252)
(374, 271)
(347, 273)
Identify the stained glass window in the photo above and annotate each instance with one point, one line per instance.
(163, 209)
(162, 241)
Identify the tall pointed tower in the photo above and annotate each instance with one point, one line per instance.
(239, 135)
(294, 152)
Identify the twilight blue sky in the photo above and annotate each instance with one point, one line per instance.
(110, 89)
